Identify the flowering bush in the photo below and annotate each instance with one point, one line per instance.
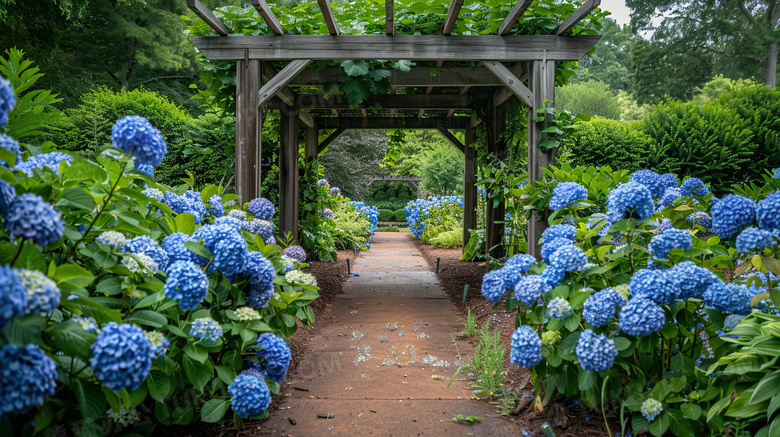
(435, 217)
(638, 295)
(118, 293)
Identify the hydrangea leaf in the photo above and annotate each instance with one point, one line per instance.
(91, 400)
(158, 384)
(214, 410)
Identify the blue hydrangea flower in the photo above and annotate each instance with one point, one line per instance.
(692, 279)
(28, 376)
(529, 289)
(662, 243)
(217, 209)
(289, 265)
(732, 321)
(550, 247)
(186, 204)
(668, 198)
(121, 356)
(144, 244)
(660, 286)
(668, 180)
(552, 276)
(261, 208)
(526, 347)
(174, 246)
(730, 213)
(7, 100)
(730, 298)
(11, 145)
(566, 193)
(700, 218)
(87, 323)
(13, 296)
(521, 262)
(29, 216)
(250, 395)
(600, 221)
(652, 180)
(263, 228)
(628, 200)
(158, 343)
(206, 329)
(554, 232)
(259, 269)
(196, 204)
(259, 295)
(595, 352)
(323, 183)
(568, 258)
(51, 160)
(776, 174)
(274, 356)
(43, 295)
(335, 191)
(558, 308)
(137, 137)
(600, 307)
(693, 186)
(753, 239)
(144, 168)
(768, 212)
(154, 193)
(641, 317)
(295, 252)
(494, 285)
(231, 221)
(228, 246)
(186, 283)
(651, 408)
(7, 195)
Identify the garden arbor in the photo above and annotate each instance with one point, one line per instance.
(458, 82)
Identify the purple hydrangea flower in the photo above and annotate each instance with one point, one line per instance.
(261, 208)
(295, 252)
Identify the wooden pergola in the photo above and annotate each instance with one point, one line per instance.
(413, 181)
(504, 66)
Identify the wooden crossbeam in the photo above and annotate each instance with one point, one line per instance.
(452, 16)
(206, 15)
(330, 20)
(416, 77)
(389, 20)
(284, 94)
(384, 101)
(268, 16)
(514, 15)
(331, 138)
(420, 113)
(397, 47)
(581, 12)
(281, 79)
(511, 82)
(450, 112)
(394, 123)
(505, 93)
(453, 139)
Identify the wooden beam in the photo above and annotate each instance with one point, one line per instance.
(469, 186)
(288, 172)
(453, 139)
(385, 101)
(396, 47)
(330, 20)
(452, 16)
(285, 94)
(494, 220)
(416, 77)
(520, 72)
(394, 123)
(363, 110)
(392, 113)
(514, 15)
(450, 112)
(306, 118)
(268, 16)
(206, 15)
(310, 144)
(420, 113)
(511, 82)
(581, 12)
(249, 122)
(282, 79)
(389, 21)
(331, 138)
(429, 89)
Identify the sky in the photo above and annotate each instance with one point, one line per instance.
(620, 12)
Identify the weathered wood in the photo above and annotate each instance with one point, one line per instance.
(389, 20)
(452, 16)
(494, 226)
(306, 118)
(287, 96)
(521, 72)
(206, 15)
(450, 112)
(416, 77)
(581, 12)
(453, 139)
(420, 113)
(363, 110)
(469, 186)
(330, 20)
(282, 79)
(288, 173)
(514, 15)
(396, 47)
(392, 113)
(394, 123)
(331, 138)
(310, 144)
(511, 82)
(541, 79)
(385, 101)
(249, 123)
(268, 16)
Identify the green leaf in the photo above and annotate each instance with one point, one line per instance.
(90, 398)
(198, 374)
(214, 410)
(355, 68)
(158, 384)
(72, 339)
(198, 249)
(70, 277)
(587, 379)
(77, 198)
(8, 156)
(691, 411)
(148, 318)
(196, 352)
(226, 374)
(659, 426)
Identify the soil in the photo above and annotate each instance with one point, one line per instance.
(567, 420)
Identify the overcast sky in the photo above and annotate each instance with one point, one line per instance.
(620, 12)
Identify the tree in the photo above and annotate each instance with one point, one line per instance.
(590, 97)
(611, 62)
(442, 172)
(743, 34)
(352, 157)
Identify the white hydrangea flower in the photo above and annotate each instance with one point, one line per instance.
(623, 290)
(148, 267)
(246, 314)
(237, 213)
(112, 238)
(299, 277)
(125, 416)
(154, 193)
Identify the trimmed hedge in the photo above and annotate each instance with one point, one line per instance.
(400, 215)
(386, 215)
(620, 145)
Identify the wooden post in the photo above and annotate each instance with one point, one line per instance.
(469, 186)
(249, 122)
(310, 152)
(541, 80)
(288, 171)
(493, 230)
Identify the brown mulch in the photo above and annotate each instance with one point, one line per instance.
(454, 275)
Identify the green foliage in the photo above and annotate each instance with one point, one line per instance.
(386, 215)
(602, 142)
(468, 420)
(488, 363)
(442, 172)
(611, 62)
(448, 239)
(351, 158)
(400, 215)
(471, 324)
(591, 97)
(718, 86)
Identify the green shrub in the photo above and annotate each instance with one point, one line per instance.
(386, 215)
(591, 97)
(400, 215)
(448, 239)
(620, 145)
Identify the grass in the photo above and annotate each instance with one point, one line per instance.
(509, 401)
(488, 363)
(471, 324)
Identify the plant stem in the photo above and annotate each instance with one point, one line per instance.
(18, 252)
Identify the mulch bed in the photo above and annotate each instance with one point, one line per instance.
(454, 275)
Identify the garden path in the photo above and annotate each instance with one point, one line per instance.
(382, 365)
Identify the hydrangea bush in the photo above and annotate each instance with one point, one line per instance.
(118, 294)
(639, 297)
(428, 218)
